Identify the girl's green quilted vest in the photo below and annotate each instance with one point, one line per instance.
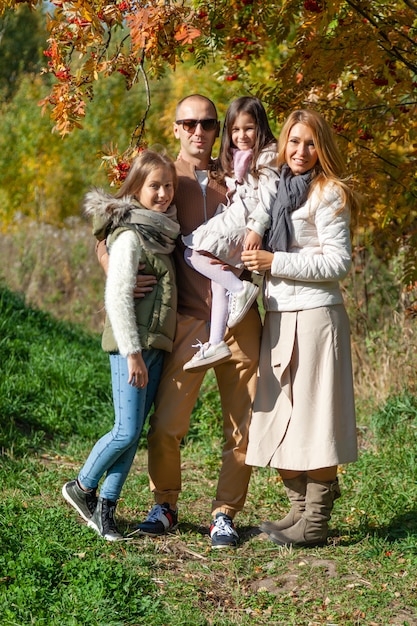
(156, 312)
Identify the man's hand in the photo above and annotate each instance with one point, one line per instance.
(224, 266)
(103, 256)
(144, 284)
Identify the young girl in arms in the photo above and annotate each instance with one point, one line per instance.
(140, 226)
(303, 420)
(247, 164)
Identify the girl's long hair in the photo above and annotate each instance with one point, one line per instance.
(330, 165)
(264, 135)
(140, 169)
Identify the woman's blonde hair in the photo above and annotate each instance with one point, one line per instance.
(141, 167)
(330, 165)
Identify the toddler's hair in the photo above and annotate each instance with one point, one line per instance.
(264, 135)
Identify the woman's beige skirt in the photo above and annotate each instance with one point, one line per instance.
(304, 412)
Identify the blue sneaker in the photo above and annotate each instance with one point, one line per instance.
(161, 519)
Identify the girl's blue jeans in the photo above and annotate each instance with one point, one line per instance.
(113, 454)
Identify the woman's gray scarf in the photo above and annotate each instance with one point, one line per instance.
(292, 191)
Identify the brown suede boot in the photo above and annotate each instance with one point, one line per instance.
(312, 528)
(296, 492)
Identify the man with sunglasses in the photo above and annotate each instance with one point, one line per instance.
(197, 198)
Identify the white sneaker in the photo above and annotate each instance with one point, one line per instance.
(207, 356)
(240, 303)
(223, 532)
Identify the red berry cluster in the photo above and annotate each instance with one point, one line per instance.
(365, 135)
(122, 170)
(313, 6)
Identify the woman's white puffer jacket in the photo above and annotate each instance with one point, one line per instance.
(308, 275)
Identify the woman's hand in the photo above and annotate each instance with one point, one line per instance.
(257, 260)
(138, 374)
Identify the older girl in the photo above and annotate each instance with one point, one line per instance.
(140, 227)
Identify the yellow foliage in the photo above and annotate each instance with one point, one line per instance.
(353, 61)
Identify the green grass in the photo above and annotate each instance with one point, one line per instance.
(55, 400)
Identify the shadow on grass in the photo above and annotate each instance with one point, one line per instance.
(19, 438)
(401, 527)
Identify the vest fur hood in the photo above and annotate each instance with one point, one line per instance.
(108, 213)
(100, 204)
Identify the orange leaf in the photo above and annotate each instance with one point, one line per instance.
(185, 34)
(138, 24)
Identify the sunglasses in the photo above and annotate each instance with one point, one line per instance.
(191, 125)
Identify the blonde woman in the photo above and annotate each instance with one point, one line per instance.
(304, 417)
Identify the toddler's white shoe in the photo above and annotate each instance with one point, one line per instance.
(207, 356)
(240, 303)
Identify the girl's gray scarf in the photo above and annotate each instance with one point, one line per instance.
(157, 231)
(292, 192)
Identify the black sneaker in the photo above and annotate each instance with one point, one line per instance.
(161, 519)
(222, 532)
(103, 520)
(84, 502)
